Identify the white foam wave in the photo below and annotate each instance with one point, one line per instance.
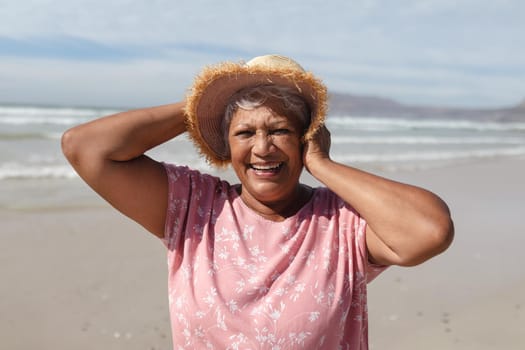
(49, 115)
(428, 140)
(44, 170)
(389, 124)
(19, 171)
(430, 156)
(14, 136)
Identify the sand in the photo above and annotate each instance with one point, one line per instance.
(473, 295)
(78, 275)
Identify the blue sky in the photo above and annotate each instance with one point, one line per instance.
(138, 53)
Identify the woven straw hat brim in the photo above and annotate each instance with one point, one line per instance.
(213, 88)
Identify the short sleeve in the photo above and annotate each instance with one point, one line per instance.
(190, 196)
(374, 270)
(370, 270)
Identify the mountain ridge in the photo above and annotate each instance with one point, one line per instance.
(349, 104)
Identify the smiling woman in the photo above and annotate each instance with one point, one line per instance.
(269, 262)
(266, 154)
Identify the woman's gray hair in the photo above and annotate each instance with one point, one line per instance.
(253, 97)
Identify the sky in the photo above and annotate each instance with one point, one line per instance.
(125, 53)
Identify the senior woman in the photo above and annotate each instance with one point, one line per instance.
(268, 263)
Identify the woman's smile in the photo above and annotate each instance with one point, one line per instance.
(266, 169)
(266, 153)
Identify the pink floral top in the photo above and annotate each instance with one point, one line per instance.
(239, 281)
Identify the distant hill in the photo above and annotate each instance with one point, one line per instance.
(345, 104)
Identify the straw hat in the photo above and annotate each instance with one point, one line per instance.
(207, 100)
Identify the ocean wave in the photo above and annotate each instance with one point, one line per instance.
(430, 156)
(19, 136)
(40, 168)
(428, 140)
(393, 124)
(19, 115)
(21, 172)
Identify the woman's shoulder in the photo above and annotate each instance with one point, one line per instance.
(325, 199)
(186, 175)
(325, 196)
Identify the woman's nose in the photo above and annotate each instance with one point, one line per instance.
(263, 144)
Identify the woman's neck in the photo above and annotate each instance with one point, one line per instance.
(281, 209)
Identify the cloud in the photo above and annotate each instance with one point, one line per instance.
(67, 48)
(83, 83)
(75, 48)
(425, 84)
(409, 49)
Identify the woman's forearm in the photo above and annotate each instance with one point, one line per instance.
(409, 224)
(126, 135)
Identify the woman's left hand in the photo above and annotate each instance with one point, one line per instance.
(317, 149)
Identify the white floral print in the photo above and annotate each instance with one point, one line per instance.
(238, 281)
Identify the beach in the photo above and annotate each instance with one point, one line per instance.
(76, 274)
(473, 295)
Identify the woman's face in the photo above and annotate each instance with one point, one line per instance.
(266, 153)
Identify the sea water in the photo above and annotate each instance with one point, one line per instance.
(30, 142)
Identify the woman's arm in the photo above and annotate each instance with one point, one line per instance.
(406, 224)
(108, 154)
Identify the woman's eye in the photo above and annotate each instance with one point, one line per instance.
(280, 132)
(244, 133)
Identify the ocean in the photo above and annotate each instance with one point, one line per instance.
(30, 142)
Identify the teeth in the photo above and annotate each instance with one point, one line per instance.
(266, 167)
